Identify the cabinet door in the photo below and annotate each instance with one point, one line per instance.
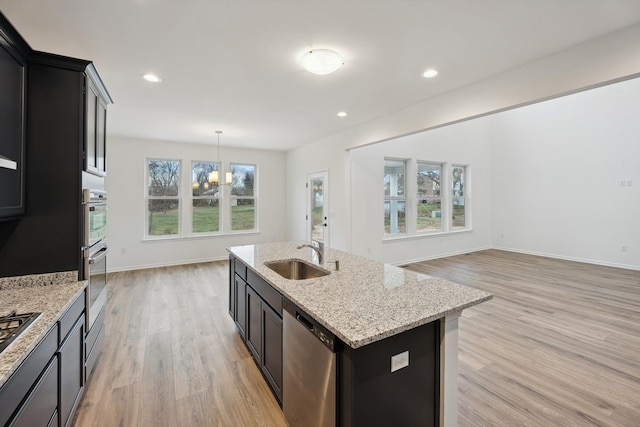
(254, 323)
(12, 126)
(101, 139)
(71, 370)
(241, 305)
(90, 141)
(232, 289)
(42, 403)
(272, 348)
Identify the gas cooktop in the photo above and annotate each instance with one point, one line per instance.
(13, 325)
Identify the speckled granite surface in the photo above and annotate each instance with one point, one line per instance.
(51, 296)
(366, 300)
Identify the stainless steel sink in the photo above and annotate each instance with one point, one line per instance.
(296, 269)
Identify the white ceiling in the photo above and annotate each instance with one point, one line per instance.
(232, 65)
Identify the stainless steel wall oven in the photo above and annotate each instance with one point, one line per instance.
(94, 251)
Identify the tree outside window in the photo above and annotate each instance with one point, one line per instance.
(163, 197)
(458, 190)
(243, 197)
(429, 198)
(205, 193)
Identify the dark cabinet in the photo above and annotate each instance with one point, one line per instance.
(46, 387)
(256, 309)
(271, 362)
(95, 141)
(240, 304)
(254, 323)
(71, 357)
(13, 68)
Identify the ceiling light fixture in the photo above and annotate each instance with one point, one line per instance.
(431, 72)
(321, 61)
(152, 78)
(342, 114)
(214, 176)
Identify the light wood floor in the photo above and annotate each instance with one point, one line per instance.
(559, 345)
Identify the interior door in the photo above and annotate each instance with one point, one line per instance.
(318, 207)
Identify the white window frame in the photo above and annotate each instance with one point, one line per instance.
(465, 196)
(397, 198)
(147, 198)
(230, 199)
(441, 197)
(219, 198)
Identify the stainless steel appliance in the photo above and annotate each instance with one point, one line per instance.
(309, 371)
(12, 325)
(94, 251)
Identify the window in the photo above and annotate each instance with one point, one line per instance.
(243, 197)
(163, 197)
(457, 197)
(205, 213)
(429, 199)
(395, 201)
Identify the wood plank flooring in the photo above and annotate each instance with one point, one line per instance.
(559, 345)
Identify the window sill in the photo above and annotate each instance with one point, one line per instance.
(198, 236)
(391, 239)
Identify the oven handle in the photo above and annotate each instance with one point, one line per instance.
(101, 254)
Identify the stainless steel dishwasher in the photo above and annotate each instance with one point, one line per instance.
(309, 370)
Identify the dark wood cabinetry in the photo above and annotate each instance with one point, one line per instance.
(13, 71)
(45, 388)
(95, 142)
(257, 310)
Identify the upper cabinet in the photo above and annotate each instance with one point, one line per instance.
(13, 68)
(95, 145)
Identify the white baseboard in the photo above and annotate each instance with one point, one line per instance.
(443, 255)
(165, 264)
(569, 258)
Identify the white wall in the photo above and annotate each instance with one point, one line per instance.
(465, 143)
(125, 185)
(607, 60)
(557, 173)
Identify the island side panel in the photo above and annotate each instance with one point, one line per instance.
(449, 371)
(372, 395)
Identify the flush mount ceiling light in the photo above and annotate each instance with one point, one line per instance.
(152, 78)
(342, 114)
(321, 61)
(431, 72)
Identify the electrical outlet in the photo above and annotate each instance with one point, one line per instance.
(624, 248)
(399, 361)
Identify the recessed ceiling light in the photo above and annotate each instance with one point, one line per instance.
(342, 114)
(321, 61)
(431, 72)
(152, 78)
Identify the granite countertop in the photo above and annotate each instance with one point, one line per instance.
(48, 294)
(365, 301)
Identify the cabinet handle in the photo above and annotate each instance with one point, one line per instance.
(8, 163)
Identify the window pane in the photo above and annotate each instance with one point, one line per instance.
(243, 214)
(205, 178)
(163, 217)
(394, 217)
(429, 214)
(243, 180)
(429, 175)
(394, 178)
(206, 216)
(164, 177)
(457, 181)
(458, 212)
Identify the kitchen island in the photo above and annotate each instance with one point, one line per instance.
(377, 312)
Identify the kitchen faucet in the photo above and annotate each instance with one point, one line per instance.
(319, 250)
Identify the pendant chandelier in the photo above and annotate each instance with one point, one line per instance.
(214, 176)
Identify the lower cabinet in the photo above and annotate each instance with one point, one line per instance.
(71, 356)
(46, 387)
(256, 309)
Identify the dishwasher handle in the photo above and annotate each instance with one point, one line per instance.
(306, 322)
